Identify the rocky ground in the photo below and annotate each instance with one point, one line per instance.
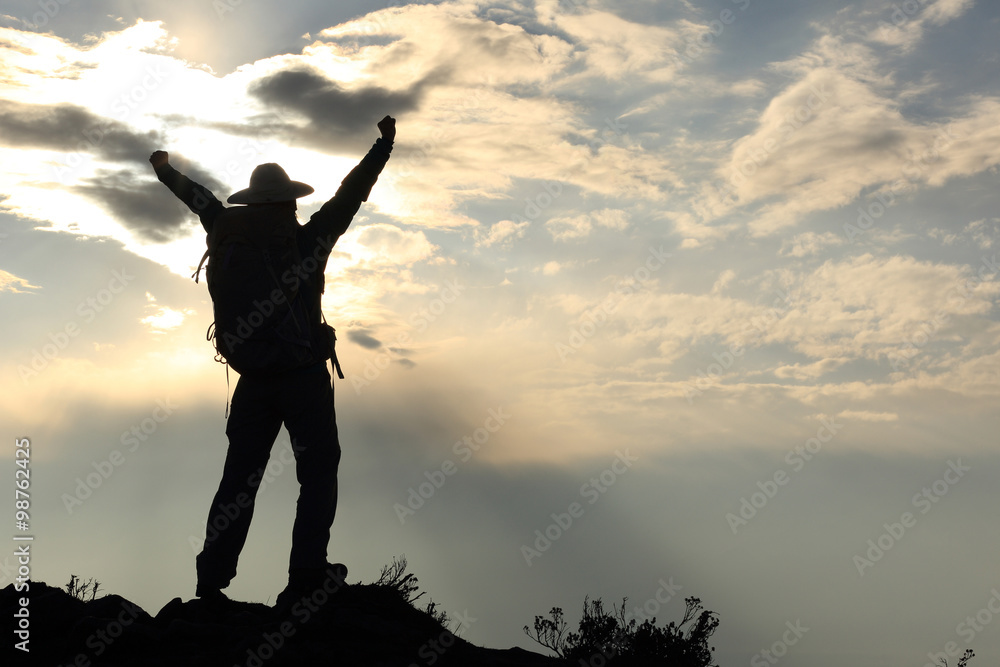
(360, 624)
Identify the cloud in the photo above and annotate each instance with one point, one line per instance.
(809, 243)
(569, 228)
(141, 206)
(511, 114)
(839, 132)
(336, 116)
(846, 314)
(908, 21)
(869, 307)
(809, 371)
(611, 218)
(397, 246)
(11, 283)
(429, 37)
(984, 232)
(164, 318)
(73, 129)
(467, 134)
(612, 47)
(138, 204)
(724, 280)
(364, 338)
(502, 233)
(867, 416)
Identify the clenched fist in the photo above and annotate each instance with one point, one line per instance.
(159, 158)
(387, 126)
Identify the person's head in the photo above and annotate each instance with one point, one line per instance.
(270, 184)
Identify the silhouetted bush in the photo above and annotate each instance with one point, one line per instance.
(963, 661)
(80, 589)
(395, 576)
(610, 638)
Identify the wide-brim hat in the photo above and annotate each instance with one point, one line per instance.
(270, 183)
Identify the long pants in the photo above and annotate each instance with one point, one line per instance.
(303, 401)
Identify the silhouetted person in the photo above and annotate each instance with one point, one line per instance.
(277, 339)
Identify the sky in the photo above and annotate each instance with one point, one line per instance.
(654, 299)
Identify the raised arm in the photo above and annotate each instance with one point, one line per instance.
(328, 223)
(197, 197)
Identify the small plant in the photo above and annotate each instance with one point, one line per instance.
(80, 589)
(440, 616)
(611, 635)
(395, 576)
(963, 661)
(550, 632)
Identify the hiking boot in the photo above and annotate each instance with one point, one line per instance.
(313, 584)
(212, 598)
(205, 591)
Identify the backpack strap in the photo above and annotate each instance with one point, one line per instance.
(269, 263)
(201, 265)
(210, 240)
(209, 336)
(227, 391)
(333, 345)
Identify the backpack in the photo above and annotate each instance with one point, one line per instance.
(263, 320)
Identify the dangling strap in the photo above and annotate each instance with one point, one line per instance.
(227, 391)
(333, 346)
(200, 265)
(209, 335)
(333, 354)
